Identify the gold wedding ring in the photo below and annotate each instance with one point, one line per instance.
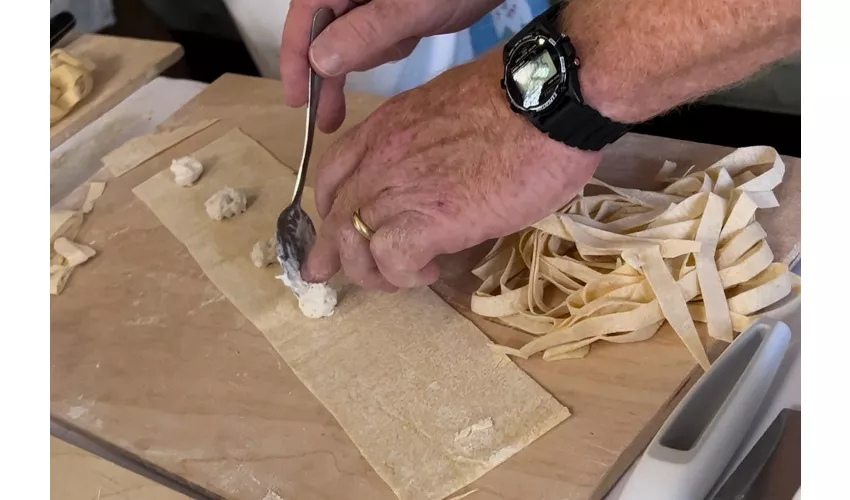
(360, 226)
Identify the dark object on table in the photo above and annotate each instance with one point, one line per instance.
(60, 25)
(727, 126)
(771, 470)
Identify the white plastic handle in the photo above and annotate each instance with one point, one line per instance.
(695, 444)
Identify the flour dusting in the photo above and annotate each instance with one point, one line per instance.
(481, 425)
(76, 412)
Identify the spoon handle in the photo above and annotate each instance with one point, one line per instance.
(321, 19)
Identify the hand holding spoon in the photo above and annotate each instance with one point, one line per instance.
(295, 231)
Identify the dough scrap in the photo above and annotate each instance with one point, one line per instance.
(616, 267)
(64, 223)
(186, 170)
(73, 253)
(58, 278)
(263, 254)
(95, 191)
(70, 82)
(65, 256)
(226, 203)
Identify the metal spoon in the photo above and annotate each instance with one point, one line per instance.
(295, 231)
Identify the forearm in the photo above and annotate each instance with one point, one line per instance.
(640, 58)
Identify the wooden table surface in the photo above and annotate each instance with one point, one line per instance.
(76, 474)
(148, 355)
(122, 66)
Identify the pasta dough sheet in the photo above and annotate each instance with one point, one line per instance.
(411, 381)
(138, 150)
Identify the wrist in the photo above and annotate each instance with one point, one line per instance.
(604, 78)
(603, 89)
(601, 92)
(492, 69)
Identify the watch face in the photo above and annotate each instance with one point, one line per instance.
(532, 76)
(535, 74)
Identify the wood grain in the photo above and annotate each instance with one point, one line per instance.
(147, 354)
(76, 474)
(122, 66)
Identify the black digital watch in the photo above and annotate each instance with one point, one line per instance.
(541, 83)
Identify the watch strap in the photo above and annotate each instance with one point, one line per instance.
(579, 125)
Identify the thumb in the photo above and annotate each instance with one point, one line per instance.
(323, 260)
(363, 34)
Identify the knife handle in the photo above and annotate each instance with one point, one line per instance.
(695, 444)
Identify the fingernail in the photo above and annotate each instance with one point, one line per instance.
(325, 61)
(306, 273)
(291, 101)
(309, 275)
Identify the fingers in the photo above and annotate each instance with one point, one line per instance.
(360, 39)
(363, 34)
(404, 249)
(351, 248)
(396, 52)
(331, 104)
(359, 256)
(334, 168)
(295, 43)
(336, 165)
(294, 63)
(332, 101)
(401, 251)
(357, 261)
(338, 244)
(323, 261)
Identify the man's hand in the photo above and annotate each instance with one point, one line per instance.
(435, 171)
(448, 165)
(360, 39)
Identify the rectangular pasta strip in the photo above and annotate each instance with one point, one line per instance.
(402, 373)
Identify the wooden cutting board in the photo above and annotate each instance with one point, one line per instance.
(147, 354)
(122, 66)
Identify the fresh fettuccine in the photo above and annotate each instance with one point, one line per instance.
(617, 266)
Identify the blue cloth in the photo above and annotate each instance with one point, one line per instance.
(503, 22)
